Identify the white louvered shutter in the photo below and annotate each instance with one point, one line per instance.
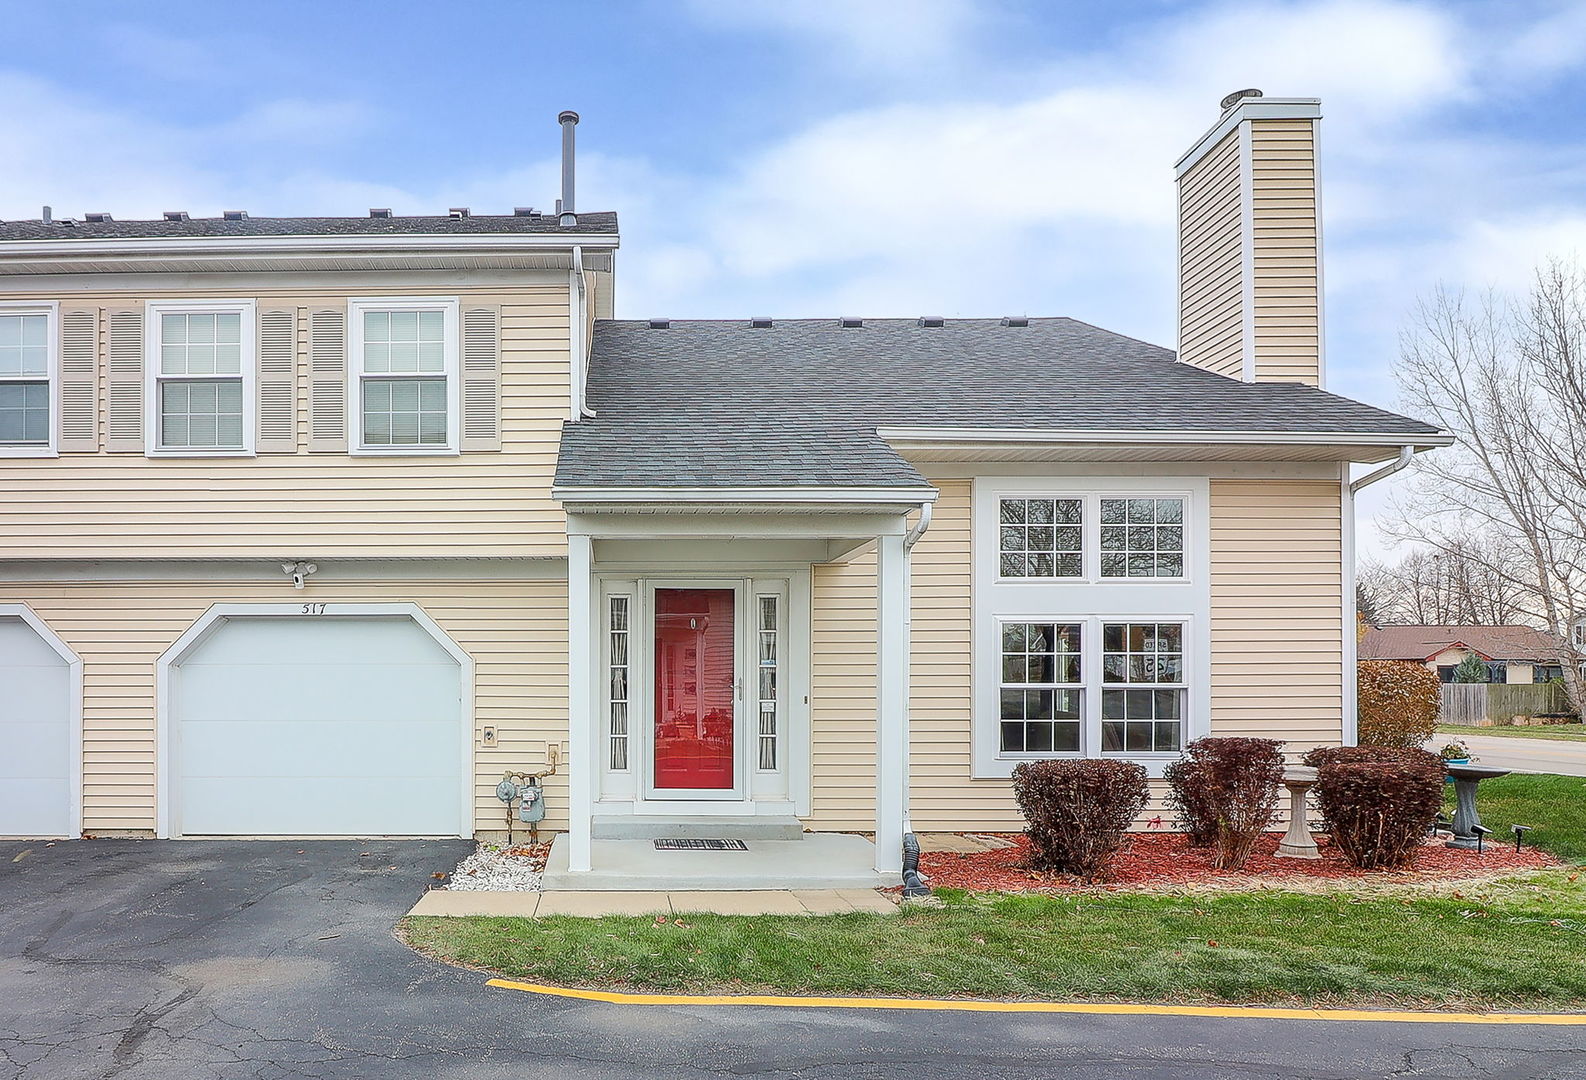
(77, 421)
(327, 381)
(124, 380)
(481, 379)
(277, 381)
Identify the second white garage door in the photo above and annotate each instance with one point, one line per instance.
(318, 726)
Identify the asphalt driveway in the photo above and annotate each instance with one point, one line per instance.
(153, 960)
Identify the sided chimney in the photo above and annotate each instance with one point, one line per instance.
(1250, 231)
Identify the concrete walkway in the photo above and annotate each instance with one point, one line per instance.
(816, 861)
(593, 904)
(1524, 755)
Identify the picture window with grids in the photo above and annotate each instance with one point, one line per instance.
(1041, 689)
(1041, 538)
(1142, 538)
(404, 363)
(24, 379)
(1143, 687)
(202, 370)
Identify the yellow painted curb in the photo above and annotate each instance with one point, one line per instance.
(1234, 1012)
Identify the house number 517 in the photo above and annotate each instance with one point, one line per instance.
(313, 609)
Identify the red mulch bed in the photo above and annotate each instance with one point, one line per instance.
(1157, 860)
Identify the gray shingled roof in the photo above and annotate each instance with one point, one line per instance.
(724, 404)
(475, 225)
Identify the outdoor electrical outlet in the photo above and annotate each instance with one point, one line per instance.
(490, 736)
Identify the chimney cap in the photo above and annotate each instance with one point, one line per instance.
(1239, 95)
(567, 116)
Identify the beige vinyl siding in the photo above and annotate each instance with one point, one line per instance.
(1277, 665)
(516, 632)
(1211, 305)
(321, 505)
(1283, 186)
(1277, 610)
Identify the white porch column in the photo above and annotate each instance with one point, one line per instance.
(580, 702)
(892, 670)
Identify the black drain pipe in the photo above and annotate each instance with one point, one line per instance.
(913, 884)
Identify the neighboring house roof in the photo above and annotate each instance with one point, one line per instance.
(725, 404)
(1421, 643)
(436, 225)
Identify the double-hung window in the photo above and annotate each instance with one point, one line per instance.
(200, 377)
(404, 389)
(27, 365)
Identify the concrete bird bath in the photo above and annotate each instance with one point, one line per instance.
(1466, 777)
(1297, 842)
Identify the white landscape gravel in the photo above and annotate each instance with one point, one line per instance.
(492, 868)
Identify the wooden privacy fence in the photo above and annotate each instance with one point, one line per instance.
(1481, 704)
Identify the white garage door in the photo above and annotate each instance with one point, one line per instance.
(317, 726)
(36, 795)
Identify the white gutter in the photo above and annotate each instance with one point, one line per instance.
(233, 244)
(577, 356)
(1406, 453)
(1252, 438)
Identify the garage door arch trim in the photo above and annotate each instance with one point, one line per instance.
(74, 706)
(219, 614)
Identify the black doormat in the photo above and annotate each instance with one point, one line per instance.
(701, 845)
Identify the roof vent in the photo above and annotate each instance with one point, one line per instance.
(761, 322)
(1016, 320)
(1239, 95)
(848, 322)
(525, 211)
(234, 215)
(458, 211)
(932, 321)
(176, 215)
(380, 211)
(97, 218)
(660, 324)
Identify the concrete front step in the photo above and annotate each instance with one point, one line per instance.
(816, 861)
(592, 905)
(697, 827)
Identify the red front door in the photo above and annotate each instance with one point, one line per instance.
(695, 671)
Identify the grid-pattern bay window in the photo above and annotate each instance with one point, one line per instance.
(404, 371)
(25, 399)
(200, 378)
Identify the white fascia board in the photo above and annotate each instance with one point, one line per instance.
(1249, 109)
(801, 496)
(940, 436)
(172, 245)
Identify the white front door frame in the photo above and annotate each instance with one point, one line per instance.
(167, 821)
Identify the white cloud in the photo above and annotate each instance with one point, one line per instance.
(886, 34)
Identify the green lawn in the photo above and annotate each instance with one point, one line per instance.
(1555, 805)
(1519, 944)
(1564, 732)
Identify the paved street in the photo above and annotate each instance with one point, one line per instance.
(1527, 755)
(149, 960)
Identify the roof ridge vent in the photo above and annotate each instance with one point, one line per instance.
(458, 212)
(176, 215)
(98, 218)
(932, 321)
(526, 211)
(761, 322)
(850, 322)
(379, 211)
(660, 324)
(234, 215)
(1016, 320)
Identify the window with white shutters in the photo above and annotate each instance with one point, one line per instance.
(404, 376)
(200, 378)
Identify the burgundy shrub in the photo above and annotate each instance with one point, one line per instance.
(1078, 811)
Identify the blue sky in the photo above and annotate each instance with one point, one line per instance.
(833, 156)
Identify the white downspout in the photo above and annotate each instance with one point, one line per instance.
(578, 348)
(909, 540)
(1406, 453)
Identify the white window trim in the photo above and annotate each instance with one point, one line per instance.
(152, 377)
(1091, 600)
(451, 370)
(52, 311)
(1090, 494)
